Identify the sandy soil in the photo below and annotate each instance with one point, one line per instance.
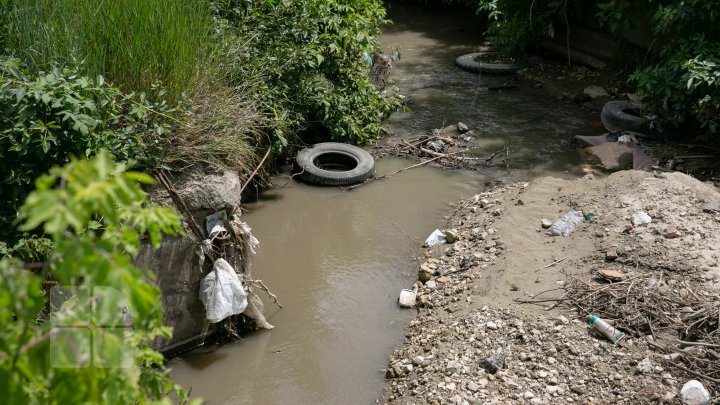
(470, 310)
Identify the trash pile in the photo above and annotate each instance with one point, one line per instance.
(448, 147)
(227, 289)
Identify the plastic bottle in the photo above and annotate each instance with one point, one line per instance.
(566, 224)
(605, 329)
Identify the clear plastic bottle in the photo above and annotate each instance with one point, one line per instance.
(605, 328)
(566, 224)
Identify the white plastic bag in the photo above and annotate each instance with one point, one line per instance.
(222, 293)
(435, 237)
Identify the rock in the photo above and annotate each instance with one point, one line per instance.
(562, 320)
(611, 275)
(210, 192)
(491, 325)
(645, 366)
(462, 127)
(424, 274)
(493, 363)
(671, 232)
(452, 235)
(545, 223)
(408, 298)
(528, 395)
(443, 279)
(713, 206)
(611, 255)
(418, 360)
(551, 388)
(640, 218)
(473, 386)
(452, 367)
(694, 393)
(431, 284)
(595, 92)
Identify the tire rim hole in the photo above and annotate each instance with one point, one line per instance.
(335, 162)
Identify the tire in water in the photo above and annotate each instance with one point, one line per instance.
(468, 62)
(334, 164)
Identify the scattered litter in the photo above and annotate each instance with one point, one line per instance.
(694, 393)
(640, 218)
(605, 329)
(222, 293)
(213, 219)
(408, 297)
(566, 224)
(436, 145)
(435, 237)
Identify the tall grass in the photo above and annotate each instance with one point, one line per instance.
(134, 43)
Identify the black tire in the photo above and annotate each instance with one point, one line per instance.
(334, 164)
(620, 115)
(468, 62)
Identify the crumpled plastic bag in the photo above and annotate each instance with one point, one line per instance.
(222, 292)
(435, 237)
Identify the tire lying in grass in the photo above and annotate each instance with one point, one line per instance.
(334, 164)
(620, 115)
(469, 62)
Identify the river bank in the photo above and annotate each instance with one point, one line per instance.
(503, 256)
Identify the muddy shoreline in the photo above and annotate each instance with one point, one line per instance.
(550, 355)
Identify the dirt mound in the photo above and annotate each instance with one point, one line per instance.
(472, 307)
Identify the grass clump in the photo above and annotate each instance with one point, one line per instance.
(133, 43)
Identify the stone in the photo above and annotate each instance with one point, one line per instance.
(493, 363)
(208, 193)
(491, 325)
(473, 386)
(645, 366)
(462, 127)
(671, 232)
(551, 389)
(452, 367)
(431, 284)
(611, 255)
(443, 279)
(528, 395)
(713, 206)
(562, 320)
(418, 360)
(640, 218)
(595, 92)
(611, 275)
(424, 274)
(545, 223)
(452, 235)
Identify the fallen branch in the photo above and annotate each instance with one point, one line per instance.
(256, 169)
(384, 176)
(267, 290)
(180, 204)
(552, 264)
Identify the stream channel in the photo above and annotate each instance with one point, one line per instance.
(337, 260)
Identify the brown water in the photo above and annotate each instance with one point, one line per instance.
(338, 260)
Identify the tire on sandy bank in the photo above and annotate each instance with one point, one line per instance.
(468, 62)
(622, 115)
(334, 164)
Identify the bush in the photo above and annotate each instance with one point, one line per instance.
(47, 119)
(307, 56)
(133, 43)
(94, 348)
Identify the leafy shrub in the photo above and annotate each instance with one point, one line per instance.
(86, 352)
(45, 120)
(307, 56)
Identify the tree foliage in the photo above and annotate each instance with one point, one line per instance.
(79, 331)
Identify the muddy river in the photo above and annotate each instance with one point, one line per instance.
(338, 259)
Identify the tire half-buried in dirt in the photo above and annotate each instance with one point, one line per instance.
(334, 164)
(469, 62)
(620, 115)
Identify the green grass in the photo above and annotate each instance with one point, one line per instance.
(134, 43)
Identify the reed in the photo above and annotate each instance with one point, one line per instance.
(134, 43)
